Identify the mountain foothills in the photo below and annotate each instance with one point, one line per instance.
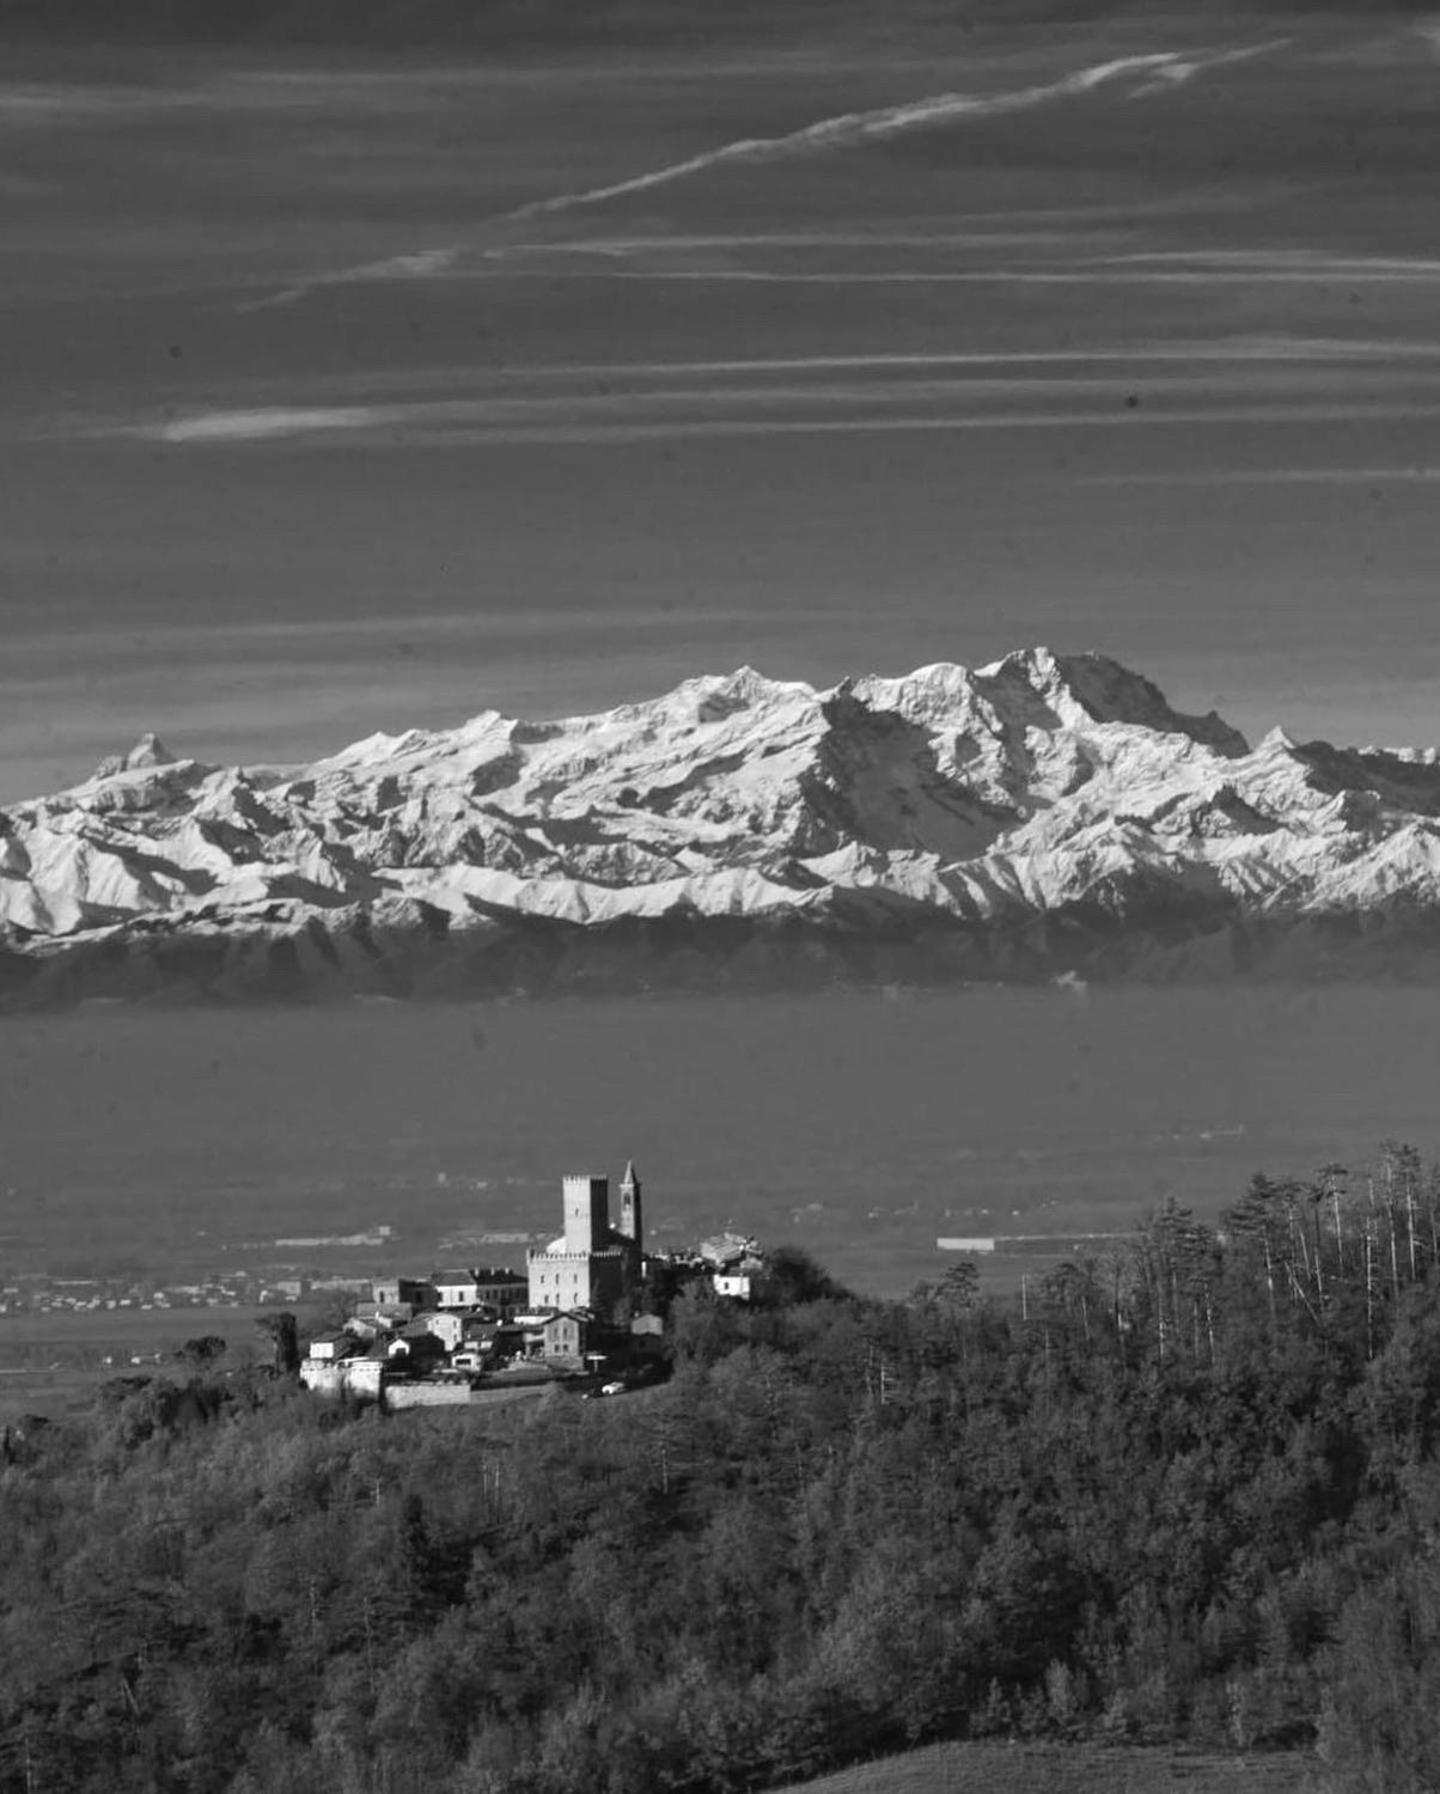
(1041, 816)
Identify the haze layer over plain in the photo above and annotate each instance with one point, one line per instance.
(861, 1126)
(345, 395)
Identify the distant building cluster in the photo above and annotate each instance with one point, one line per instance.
(733, 1263)
(39, 1293)
(577, 1307)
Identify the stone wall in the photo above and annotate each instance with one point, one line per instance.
(427, 1395)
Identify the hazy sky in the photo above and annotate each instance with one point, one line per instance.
(344, 397)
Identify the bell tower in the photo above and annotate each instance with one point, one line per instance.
(632, 1214)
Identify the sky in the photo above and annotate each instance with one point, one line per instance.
(345, 393)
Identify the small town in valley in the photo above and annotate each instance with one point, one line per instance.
(586, 1309)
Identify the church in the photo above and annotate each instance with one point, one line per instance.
(592, 1264)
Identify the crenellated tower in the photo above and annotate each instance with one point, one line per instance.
(587, 1213)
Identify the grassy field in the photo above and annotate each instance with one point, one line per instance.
(1072, 1769)
(52, 1363)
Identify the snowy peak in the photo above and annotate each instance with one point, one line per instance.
(1075, 689)
(147, 752)
(717, 699)
(1042, 814)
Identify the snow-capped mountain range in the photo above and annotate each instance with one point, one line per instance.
(1044, 815)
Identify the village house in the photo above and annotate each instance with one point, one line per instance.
(736, 1284)
(389, 1317)
(455, 1289)
(388, 1292)
(344, 1365)
(445, 1326)
(416, 1349)
(500, 1289)
(734, 1262)
(566, 1336)
(492, 1286)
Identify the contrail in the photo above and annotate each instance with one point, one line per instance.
(852, 128)
(1166, 69)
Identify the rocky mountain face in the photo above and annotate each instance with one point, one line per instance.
(1042, 816)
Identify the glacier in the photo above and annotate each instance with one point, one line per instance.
(1044, 816)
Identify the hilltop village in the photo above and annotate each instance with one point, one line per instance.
(588, 1305)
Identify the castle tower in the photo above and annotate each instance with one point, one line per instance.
(587, 1213)
(632, 1214)
(591, 1265)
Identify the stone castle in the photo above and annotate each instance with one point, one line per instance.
(592, 1264)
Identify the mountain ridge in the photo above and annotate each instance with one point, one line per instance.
(1039, 816)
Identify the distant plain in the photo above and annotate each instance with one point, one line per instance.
(861, 1126)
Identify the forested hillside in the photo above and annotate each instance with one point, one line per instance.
(1190, 1493)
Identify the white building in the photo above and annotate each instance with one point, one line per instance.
(359, 1373)
(455, 1289)
(492, 1286)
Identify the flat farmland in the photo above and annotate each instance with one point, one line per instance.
(858, 1125)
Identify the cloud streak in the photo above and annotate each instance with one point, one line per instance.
(672, 260)
(451, 424)
(1241, 378)
(278, 423)
(1409, 475)
(1157, 71)
(1354, 270)
(1283, 350)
